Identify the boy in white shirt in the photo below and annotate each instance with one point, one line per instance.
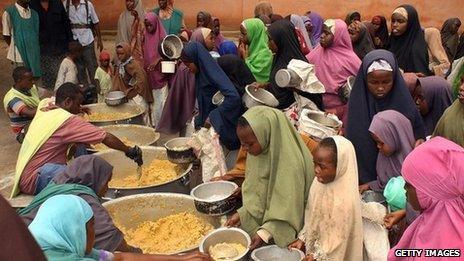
(68, 69)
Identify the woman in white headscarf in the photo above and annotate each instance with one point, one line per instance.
(130, 28)
(333, 222)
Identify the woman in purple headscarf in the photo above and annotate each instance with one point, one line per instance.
(393, 134)
(317, 22)
(154, 34)
(432, 96)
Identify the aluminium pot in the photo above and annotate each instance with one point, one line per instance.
(123, 165)
(130, 211)
(135, 111)
(179, 156)
(215, 198)
(258, 96)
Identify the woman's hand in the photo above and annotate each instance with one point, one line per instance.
(226, 177)
(308, 258)
(418, 142)
(153, 67)
(297, 244)
(393, 218)
(363, 187)
(233, 221)
(256, 242)
(259, 85)
(243, 51)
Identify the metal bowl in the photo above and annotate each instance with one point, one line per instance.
(130, 211)
(218, 98)
(179, 152)
(123, 165)
(226, 235)
(287, 78)
(324, 120)
(137, 134)
(258, 96)
(274, 253)
(372, 196)
(214, 198)
(171, 47)
(115, 98)
(135, 113)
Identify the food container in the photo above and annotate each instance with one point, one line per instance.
(372, 196)
(132, 210)
(258, 96)
(123, 165)
(345, 90)
(171, 47)
(115, 98)
(215, 198)
(226, 235)
(287, 78)
(318, 124)
(274, 253)
(218, 98)
(168, 67)
(179, 152)
(135, 113)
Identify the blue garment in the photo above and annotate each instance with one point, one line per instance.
(228, 47)
(210, 79)
(60, 228)
(46, 173)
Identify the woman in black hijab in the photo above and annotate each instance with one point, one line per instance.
(450, 37)
(407, 41)
(284, 43)
(237, 71)
(379, 86)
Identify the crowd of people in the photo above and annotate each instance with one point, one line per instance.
(402, 135)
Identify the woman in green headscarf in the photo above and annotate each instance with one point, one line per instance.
(451, 124)
(254, 48)
(279, 173)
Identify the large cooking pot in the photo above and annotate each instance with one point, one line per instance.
(123, 165)
(130, 211)
(135, 112)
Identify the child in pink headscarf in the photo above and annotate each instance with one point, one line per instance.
(335, 61)
(153, 35)
(435, 187)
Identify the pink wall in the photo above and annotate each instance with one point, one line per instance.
(232, 12)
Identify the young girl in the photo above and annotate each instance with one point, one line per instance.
(333, 222)
(103, 75)
(393, 134)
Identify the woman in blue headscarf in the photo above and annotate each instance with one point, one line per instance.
(210, 78)
(64, 229)
(60, 228)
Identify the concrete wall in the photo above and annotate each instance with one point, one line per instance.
(232, 12)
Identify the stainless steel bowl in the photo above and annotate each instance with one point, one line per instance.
(135, 113)
(214, 198)
(258, 96)
(287, 78)
(130, 211)
(176, 152)
(275, 253)
(171, 47)
(226, 235)
(218, 98)
(324, 120)
(123, 165)
(115, 98)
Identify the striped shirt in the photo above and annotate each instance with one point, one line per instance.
(14, 110)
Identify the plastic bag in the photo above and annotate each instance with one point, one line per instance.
(205, 143)
(376, 244)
